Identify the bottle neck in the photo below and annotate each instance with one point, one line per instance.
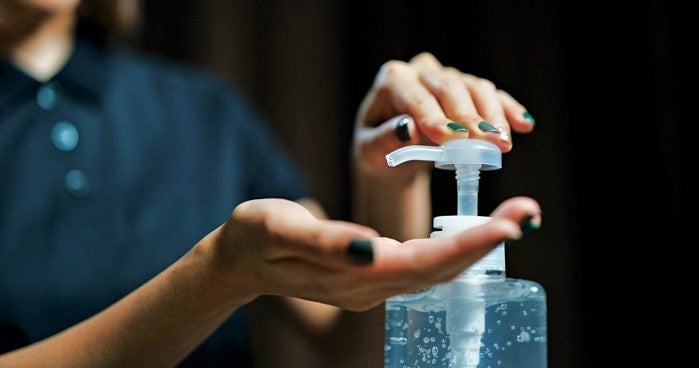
(491, 264)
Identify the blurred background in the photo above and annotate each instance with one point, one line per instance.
(611, 86)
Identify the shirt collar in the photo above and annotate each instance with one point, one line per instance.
(83, 76)
(12, 82)
(86, 71)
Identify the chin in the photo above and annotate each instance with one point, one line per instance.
(51, 6)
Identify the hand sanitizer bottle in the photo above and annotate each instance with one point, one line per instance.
(481, 318)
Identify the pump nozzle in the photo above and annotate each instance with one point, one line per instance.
(466, 156)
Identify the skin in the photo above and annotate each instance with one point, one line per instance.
(283, 258)
(36, 35)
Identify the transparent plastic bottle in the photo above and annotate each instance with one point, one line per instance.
(481, 318)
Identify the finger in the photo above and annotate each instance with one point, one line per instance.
(272, 211)
(430, 258)
(397, 268)
(523, 210)
(293, 232)
(509, 220)
(481, 112)
(495, 127)
(372, 144)
(375, 142)
(446, 84)
(520, 119)
(331, 244)
(454, 98)
(425, 60)
(400, 83)
(342, 288)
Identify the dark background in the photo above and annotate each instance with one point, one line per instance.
(611, 86)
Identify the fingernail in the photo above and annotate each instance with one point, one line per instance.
(402, 131)
(360, 251)
(486, 127)
(457, 127)
(504, 135)
(528, 225)
(527, 116)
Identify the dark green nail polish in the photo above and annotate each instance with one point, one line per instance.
(457, 127)
(527, 225)
(402, 131)
(360, 251)
(529, 117)
(487, 127)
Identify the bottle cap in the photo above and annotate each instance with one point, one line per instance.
(446, 225)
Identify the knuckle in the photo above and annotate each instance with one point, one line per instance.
(392, 69)
(382, 90)
(244, 209)
(424, 57)
(269, 221)
(450, 70)
(469, 78)
(486, 84)
(418, 100)
(468, 116)
(446, 87)
(504, 93)
(452, 85)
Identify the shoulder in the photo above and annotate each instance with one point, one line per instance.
(169, 74)
(177, 87)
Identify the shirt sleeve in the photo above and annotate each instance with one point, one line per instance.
(269, 169)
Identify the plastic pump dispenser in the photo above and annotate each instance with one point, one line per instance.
(460, 324)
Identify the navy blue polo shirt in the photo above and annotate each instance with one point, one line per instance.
(110, 172)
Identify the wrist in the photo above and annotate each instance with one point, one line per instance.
(414, 177)
(398, 207)
(222, 274)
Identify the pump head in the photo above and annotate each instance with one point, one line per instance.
(466, 156)
(451, 154)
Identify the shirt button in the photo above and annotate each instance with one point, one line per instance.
(64, 136)
(76, 183)
(49, 95)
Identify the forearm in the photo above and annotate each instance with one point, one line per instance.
(291, 333)
(155, 326)
(397, 207)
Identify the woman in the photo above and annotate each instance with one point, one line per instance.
(114, 164)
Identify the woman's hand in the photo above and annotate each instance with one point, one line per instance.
(424, 102)
(277, 247)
